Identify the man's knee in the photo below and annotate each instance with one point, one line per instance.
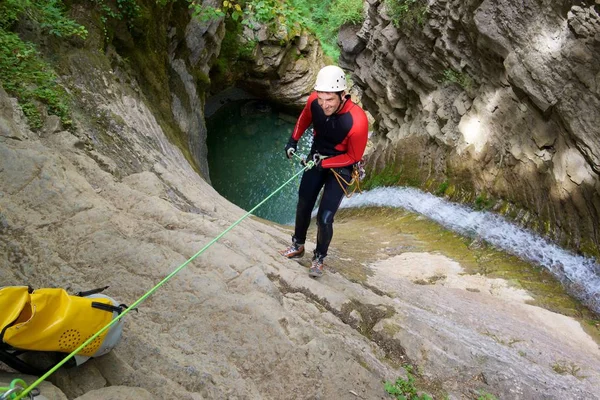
(325, 218)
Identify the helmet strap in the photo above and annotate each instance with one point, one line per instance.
(342, 100)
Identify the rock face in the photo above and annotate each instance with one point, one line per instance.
(498, 98)
(240, 321)
(190, 57)
(283, 73)
(115, 202)
(72, 217)
(169, 55)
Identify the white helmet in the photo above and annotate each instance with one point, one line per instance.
(331, 79)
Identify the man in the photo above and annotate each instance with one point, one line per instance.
(340, 134)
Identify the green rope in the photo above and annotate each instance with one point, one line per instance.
(308, 165)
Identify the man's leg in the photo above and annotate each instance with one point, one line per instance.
(330, 202)
(310, 185)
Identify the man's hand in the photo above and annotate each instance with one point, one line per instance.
(291, 147)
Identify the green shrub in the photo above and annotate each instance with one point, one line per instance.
(48, 14)
(325, 18)
(405, 389)
(322, 17)
(462, 79)
(441, 190)
(406, 13)
(23, 73)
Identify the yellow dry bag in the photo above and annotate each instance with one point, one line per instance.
(54, 321)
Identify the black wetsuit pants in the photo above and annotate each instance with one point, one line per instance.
(312, 181)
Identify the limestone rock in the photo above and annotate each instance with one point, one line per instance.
(350, 44)
(284, 73)
(115, 202)
(221, 328)
(478, 82)
(117, 393)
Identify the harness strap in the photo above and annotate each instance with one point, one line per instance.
(91, 292)
(355, 180)
(109, 307)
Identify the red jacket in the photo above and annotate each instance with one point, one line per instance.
(342, 136)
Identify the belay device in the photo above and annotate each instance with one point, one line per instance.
(51, 320)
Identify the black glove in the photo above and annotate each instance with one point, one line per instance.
(291, 147)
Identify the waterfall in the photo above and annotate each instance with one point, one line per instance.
(580, 275)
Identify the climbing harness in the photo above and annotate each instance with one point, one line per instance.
(358, 174)
(310, 164)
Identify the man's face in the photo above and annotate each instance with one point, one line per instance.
(329, 102)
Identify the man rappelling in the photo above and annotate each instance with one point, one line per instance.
(340, 137)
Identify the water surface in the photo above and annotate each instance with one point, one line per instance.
(246, 158)
(580, 275)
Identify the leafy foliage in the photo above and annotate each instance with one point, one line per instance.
(406, 13)
(464, 80)
(404, 389)
(323, 17)
(23, 73)
(203, 13)
(123, 10)
(49, 14)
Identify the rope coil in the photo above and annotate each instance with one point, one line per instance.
(355, 180)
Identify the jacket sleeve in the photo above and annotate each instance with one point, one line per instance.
(305, 118)
(357, 142)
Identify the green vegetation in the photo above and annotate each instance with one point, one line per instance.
(322, 17)
(483, 202)
(464, 80)
(563, 368)
(406, 13)
(23, 73)
(325, 18)
(123, 10)
(48, 14)
(441, 190)
(387, 177)
(404, 389)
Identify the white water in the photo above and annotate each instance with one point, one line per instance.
(580, 275)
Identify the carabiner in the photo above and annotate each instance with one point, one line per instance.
(10, 392)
